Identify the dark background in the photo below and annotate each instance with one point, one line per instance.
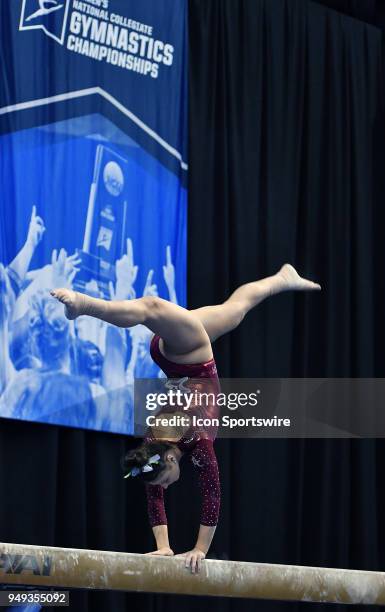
(286, 164)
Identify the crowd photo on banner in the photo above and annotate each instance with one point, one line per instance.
(93, 199)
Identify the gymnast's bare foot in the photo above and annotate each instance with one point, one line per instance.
(294, 282)
(72, 300)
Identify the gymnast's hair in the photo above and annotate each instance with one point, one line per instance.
(138, 457)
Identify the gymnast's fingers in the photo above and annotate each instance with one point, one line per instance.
(195, 563)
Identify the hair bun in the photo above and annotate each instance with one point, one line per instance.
(139, 456)
(134, 458)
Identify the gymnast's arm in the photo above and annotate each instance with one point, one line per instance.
(158, 519)
(204, 460)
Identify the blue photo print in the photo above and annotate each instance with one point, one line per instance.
(83, 207)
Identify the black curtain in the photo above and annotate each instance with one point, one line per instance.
(285, 165)
(370, 11)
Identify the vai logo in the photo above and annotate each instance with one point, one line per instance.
(47, 15)
(16, 564)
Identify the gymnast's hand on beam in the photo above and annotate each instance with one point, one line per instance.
(165, 551)
(193, 559)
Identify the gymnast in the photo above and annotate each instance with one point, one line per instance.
(181, 346)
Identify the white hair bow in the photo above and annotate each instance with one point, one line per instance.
(145, 468)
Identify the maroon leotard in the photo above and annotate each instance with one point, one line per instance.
(196, 443)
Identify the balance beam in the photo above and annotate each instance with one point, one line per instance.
(94, 569)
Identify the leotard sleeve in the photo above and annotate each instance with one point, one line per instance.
(155, 505)
(205, 462)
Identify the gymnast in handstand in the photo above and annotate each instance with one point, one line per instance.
(181, 346)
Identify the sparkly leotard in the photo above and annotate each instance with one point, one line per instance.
(196, 443)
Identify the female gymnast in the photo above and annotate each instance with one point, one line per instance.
(181, 346)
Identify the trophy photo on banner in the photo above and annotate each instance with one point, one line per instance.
(106, 223)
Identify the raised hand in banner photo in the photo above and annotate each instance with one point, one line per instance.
(62, 270)
(18, 268)
(64, 267)
(150, 288)
(36, 229)
(126, 273)
(71, 266)
(169, 276)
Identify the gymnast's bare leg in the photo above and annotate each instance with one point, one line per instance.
(223, 318)
(183, 336)
(186, 334)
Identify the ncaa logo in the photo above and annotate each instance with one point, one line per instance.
(47, 15)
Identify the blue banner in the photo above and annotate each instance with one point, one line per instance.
(93, 172)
